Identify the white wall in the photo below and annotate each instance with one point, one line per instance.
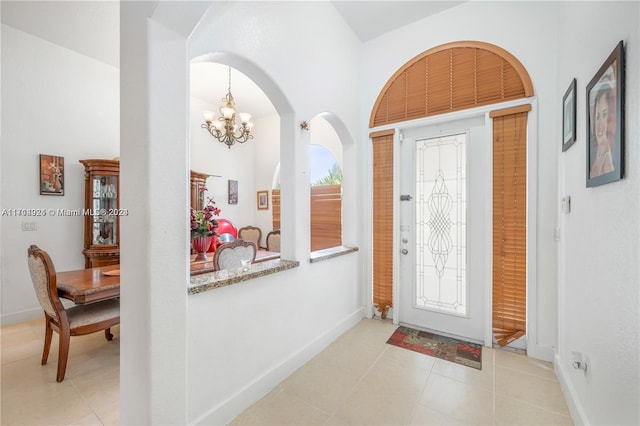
(323, 133)
(54, 101)
(598, 252)
(291, 315)
(501, 24)
(266, 163)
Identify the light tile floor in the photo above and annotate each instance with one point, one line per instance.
(358, 380)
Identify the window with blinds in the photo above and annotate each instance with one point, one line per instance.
(451, 77)
(383, 221)
(509, 224)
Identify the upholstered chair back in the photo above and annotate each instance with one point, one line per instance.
(42, 273)
(273, 241)
(250, 233)
(230, 255)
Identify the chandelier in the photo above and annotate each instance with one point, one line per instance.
(225, 129)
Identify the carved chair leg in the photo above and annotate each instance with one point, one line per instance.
(48, 333)
(63, 353)
(107, 334)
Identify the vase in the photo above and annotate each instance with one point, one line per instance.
(201, 245)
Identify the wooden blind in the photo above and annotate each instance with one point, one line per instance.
(509, 225)
(383, 222)
(451, 77)
(326, 216)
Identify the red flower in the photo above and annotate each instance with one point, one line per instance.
(203, 222)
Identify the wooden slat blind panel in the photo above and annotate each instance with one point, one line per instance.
(396, 99)
(381, 113)
(416, 89)
(438, 83)
(463, 81)
(450, 79)
(383, 223)
(326, 216)
(488, 77)
(509, 226)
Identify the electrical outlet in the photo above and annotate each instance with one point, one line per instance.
(29, 226)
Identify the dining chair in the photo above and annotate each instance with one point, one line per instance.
(273, 241)
(230, 255)
(250, 233)
(75, 321)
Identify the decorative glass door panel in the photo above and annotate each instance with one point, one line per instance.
(441, 220)
(445, 177)
(105, 203)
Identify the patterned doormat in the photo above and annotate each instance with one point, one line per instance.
(447, 348)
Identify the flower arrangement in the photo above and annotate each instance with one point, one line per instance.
(203, 222)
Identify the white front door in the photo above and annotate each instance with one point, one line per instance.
(445, 171)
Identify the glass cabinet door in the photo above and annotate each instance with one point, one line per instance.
(105, 203)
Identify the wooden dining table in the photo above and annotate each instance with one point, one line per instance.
(95, 284)
(89, 285)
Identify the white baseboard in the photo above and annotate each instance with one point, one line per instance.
(543, 353)
(22, 316)
(578, 415)
(226, 411)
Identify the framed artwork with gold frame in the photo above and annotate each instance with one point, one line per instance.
(51, 175)
(263, 200)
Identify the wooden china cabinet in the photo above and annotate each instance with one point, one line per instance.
(102, 214)
(198, 183)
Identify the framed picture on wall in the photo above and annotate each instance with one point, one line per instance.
(233, 191)
(569, 116)
(605, 121)
(51, 175)
(263, 200)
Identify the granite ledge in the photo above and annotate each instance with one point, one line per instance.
(212, 280)
(330, 253)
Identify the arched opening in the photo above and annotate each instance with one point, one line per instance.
(237, 177)
(447, 79)
(325, 176)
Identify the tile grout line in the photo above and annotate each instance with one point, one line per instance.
(85, 401)
(355, 385)
(426, 382)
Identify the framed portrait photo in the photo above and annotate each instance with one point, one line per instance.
(51, 175)
(233, 191)
(605, 121)
(263, 200)
(569, 116)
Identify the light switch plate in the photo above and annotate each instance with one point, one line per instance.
(29, 226)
